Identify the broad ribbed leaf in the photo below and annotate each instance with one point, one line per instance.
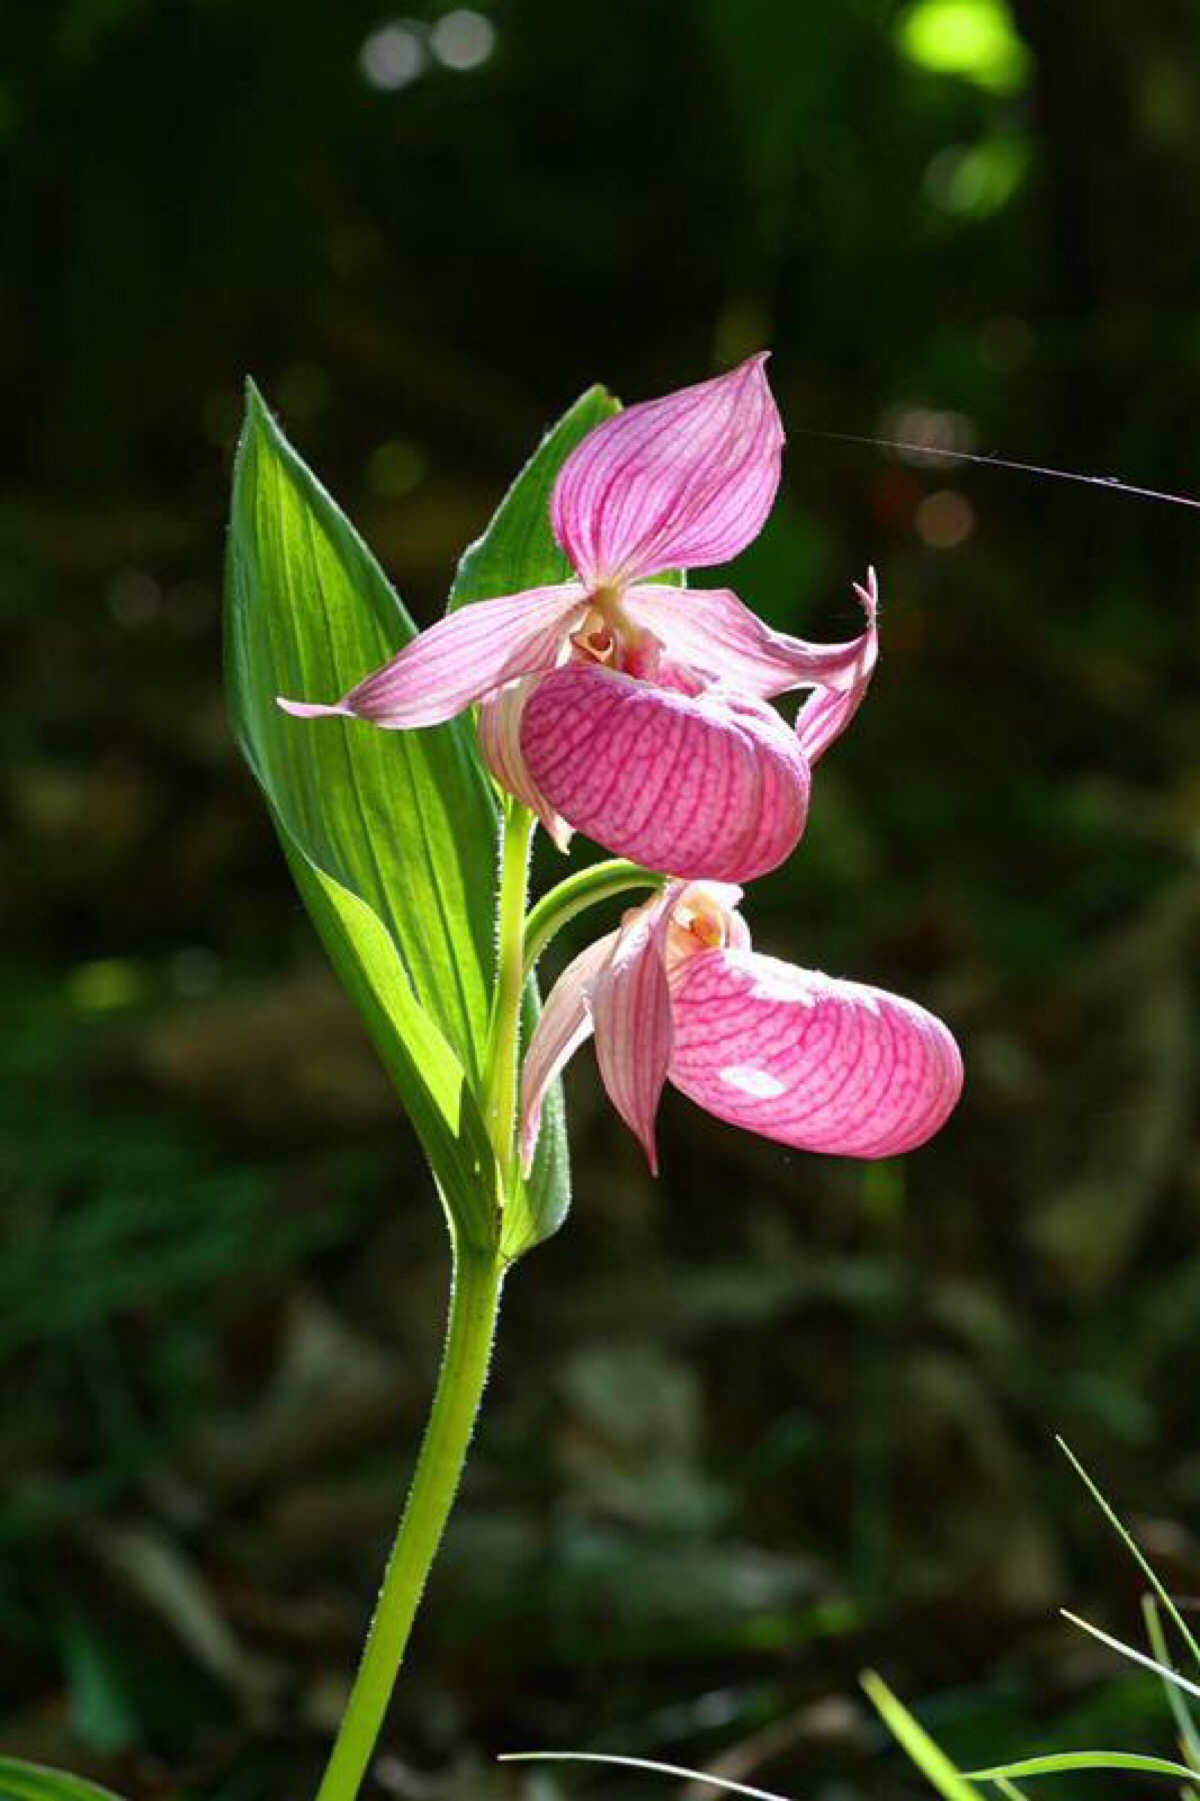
(33, 1782)
(518, 551)
(391, 836)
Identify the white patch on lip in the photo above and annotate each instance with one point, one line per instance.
(759, 1084)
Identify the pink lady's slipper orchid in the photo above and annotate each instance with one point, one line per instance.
(622, 706)
(677, 994)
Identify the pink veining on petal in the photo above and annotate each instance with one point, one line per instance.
(819, 1064)
(564, 1024)
(681, 482)
(826, 713)
(500, 717)
(631, 1009)
(713, 785)
(713, 631)
(461, 658)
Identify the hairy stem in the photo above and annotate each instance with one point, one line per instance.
(500, 1098)
(474, 1309)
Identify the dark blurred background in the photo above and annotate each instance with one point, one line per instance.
(770, 1419)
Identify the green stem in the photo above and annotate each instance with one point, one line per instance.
(474, 1309)
(600, 882)
(500, 1098)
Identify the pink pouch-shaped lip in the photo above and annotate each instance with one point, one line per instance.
(816, 1063)
(711, 785)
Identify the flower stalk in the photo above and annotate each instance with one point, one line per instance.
(471, 1331)
(602, 881)
(477, 1279)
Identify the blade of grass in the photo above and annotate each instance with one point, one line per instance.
(1185, 1724)
(1149, 1663)
(929, 1758)
(20, 1781)
(640, 1763)
(1135, 1549)
(1059, 1762)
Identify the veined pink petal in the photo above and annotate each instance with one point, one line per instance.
(713, 631)
(500, 741)
(564, 1024)
(681, 482)
(820, 1064)
(631, 1009)
(461, 658)
(826, 713)
(713, 785)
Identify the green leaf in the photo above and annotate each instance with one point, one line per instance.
(974, 39)
(1057, 1763)
(1181, 1713)
(391, 836)
(101, 1715)
(929, 1758)
(1134, 1549)
(648, 1765)
(1162, 1670)
(33, 1782)
(518, 551)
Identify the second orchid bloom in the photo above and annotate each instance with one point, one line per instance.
(677, 994)
(618, 705)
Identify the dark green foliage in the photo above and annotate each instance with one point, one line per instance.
(33, 1782)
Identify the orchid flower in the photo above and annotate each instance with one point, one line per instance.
(622, 706)
(677, 994)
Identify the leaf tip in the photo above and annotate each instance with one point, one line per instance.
(599, 395)
(258, 415)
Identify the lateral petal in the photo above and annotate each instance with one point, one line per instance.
(812, 1062)
(631, 1009)
(460, 659)
(565, 1022)
(713, 785)
(500, 741)
(712, 631)
(827, 712)
(681, 482)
